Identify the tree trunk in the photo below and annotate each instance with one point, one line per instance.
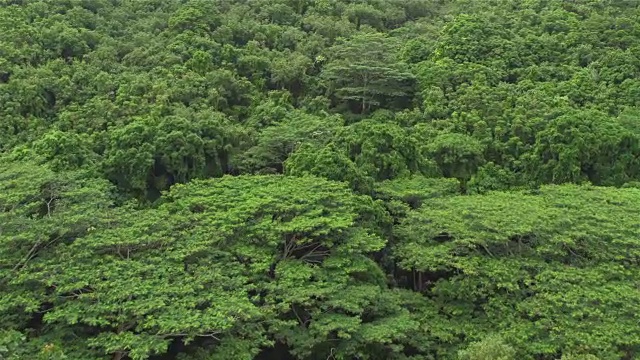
(364, 94)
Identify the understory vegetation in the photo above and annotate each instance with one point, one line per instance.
(319, 179)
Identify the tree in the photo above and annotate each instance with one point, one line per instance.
(491, 348)
(277, 142)
(585, 145)
(533, 267)
(281, 259)
(151, 154)
(362, 71)
(41, 212)
(374, 149)
(457, 155)
(289, 70)
(329, 162)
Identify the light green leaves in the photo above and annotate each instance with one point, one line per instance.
(491, 348)
(215, 259)
(550, 270)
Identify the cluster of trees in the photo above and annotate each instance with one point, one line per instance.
(319, 179)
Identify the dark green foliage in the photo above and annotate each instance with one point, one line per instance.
(319, 179)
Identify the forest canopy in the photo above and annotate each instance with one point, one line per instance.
(319, 179)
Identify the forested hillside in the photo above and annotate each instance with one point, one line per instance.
(319, 179)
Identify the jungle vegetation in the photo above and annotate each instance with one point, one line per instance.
(319, 179)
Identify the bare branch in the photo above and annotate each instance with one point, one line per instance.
(49, 206)
(211, 335)
(33, 252)
(289, 247)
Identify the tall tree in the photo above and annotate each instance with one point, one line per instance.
(363, 71)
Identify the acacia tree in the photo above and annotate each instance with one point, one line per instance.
(362, 70)
(551, 271)
(41, 212)
(229, 264)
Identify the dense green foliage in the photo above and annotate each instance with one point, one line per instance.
(319, 179)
